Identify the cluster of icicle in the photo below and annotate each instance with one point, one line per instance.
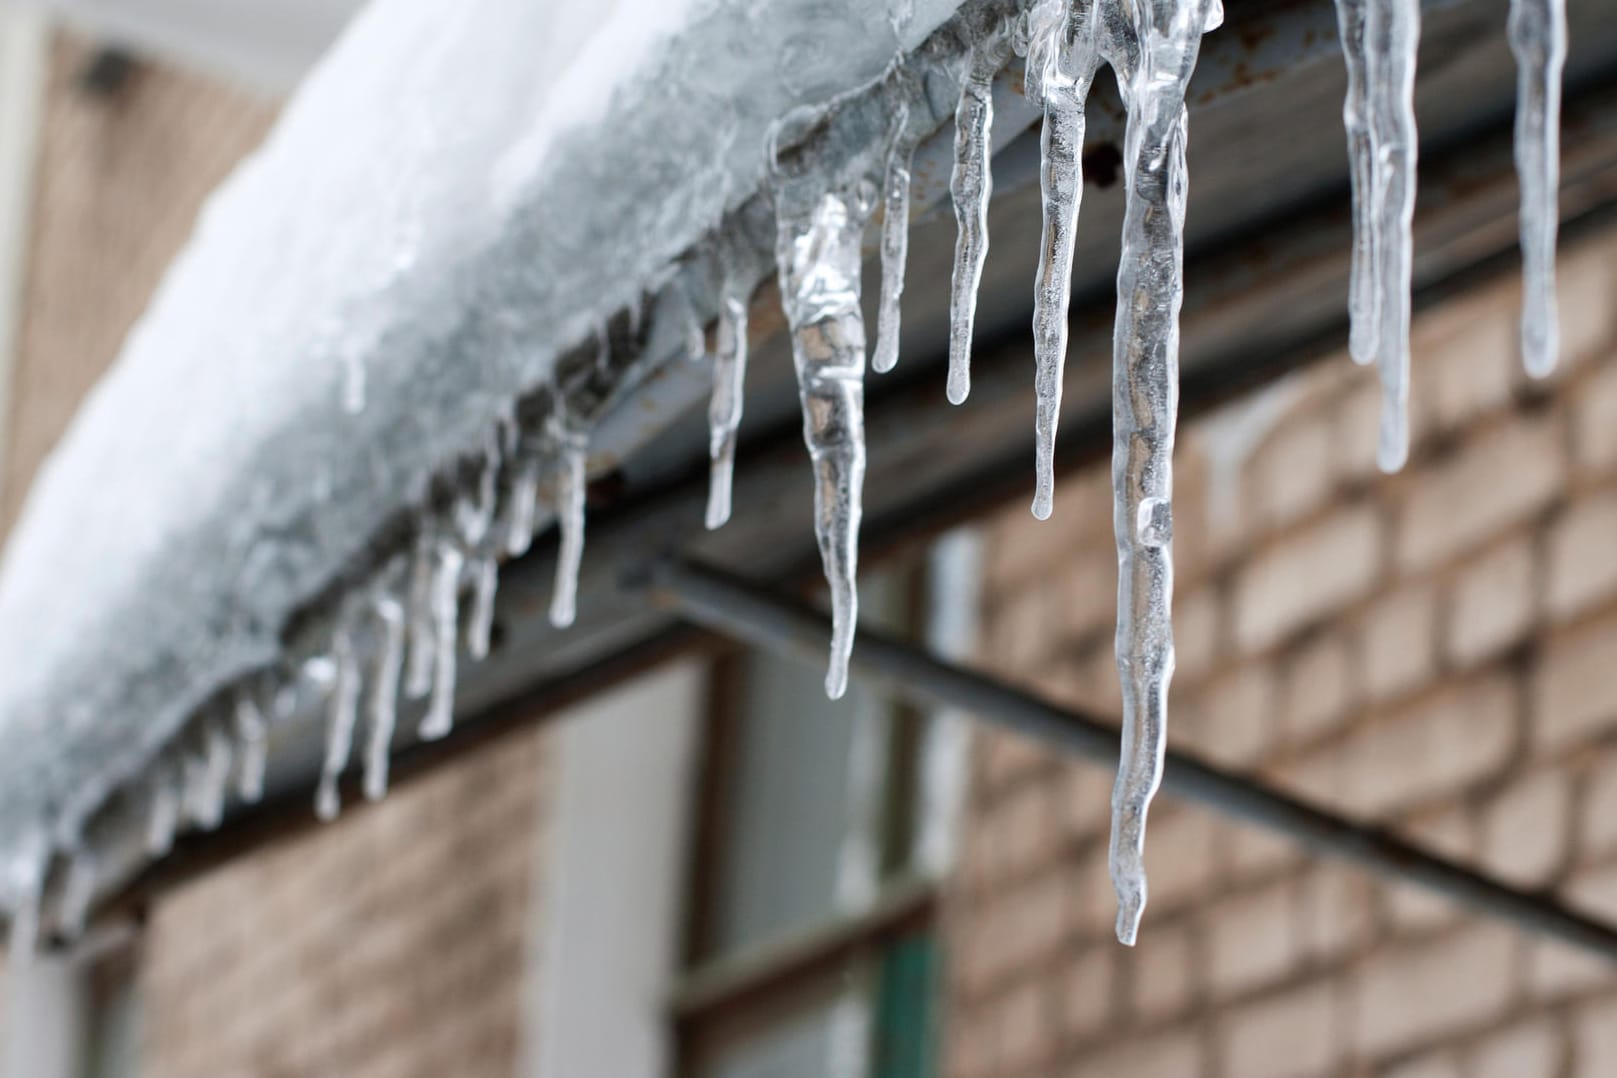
(395, 637)
(1151, 46)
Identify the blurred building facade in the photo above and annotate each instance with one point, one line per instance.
(713, 869)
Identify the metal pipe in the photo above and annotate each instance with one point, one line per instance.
(740, 609)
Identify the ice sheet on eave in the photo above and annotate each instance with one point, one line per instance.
(455, 194)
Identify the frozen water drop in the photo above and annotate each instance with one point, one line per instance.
(419, 662)
(250, 747)
(895, 241)
(485, 584)
(1537, 33)
(971, 185)
(572, 445)
(342, 708)
(384, 694)
(440, 716)
(724, 410)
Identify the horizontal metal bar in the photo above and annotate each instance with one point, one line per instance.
(740, 609)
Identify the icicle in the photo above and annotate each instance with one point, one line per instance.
(164, 817)
(817, 242)
(1393, 35)
(207, 775)
(342, 708)
(1363, 297)
(78, 892)
(724, 410)
(384, 695)
(523, 498)
(971, 185)
(1064, 53)
(895, 241)
(250, 730)
(1150, 290)
(572, 444)
(440, 716)
(485, 583)
(1538, 40)
(419, 662)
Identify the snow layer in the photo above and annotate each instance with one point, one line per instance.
(438, 215)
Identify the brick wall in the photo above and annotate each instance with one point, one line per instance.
(119, 181)
(1435, 650)
(393, 943)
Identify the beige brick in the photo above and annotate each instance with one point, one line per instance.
(1431, 1065)
(1594, 420)
(1236, 724)
(1197, 634)
(1422, 992)
(1452, 833)
(1574, 688)
(1597, 826)
(1024, 1034)
(1431, 748)
(1464, 360)
(1336, 911)
(1595, 889)
(1560, 969)
(1306, 577)
(1584, 287)
(1321, 686)
(1357, 428)
(1179, 856)
(1499, 478)
(1162, 1055)
(1252, 939)
(1527, 828)
(1089, 994)
(1162, 972)
(1085, 793)
(1490, 604)
(1255, 852)
(1594, 1040)
(1292, 473)
(1399, 646)
(1581, 550)
(1291, 1035)
(1533, 1048)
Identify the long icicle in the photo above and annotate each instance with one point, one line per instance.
(817, 241)
(1145, 400)
(448, 563)
(163, 817)
(384, 694)
(1393, 37)
(1364, 298)
(485, 586)
(418, 613)
(971, 185)
(724, 409)
(572, 445)
(1064, 53)
(342, 708)
(1538, 40)
(895, 241)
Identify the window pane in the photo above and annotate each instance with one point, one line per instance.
(830, 1041)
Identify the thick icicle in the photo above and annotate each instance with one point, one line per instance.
(418, 608)
(1064, 53)
(724, 409)
(384, 694)
(971, 185)
(895, 241)
(523, 498)
(572, 444)
(1145, 373)
(250, 730)
(1392, 36)
(817, 238)
(163, 817)
(207, 776)
(485, 583)
(1538, 40)
(1363, 297)
(440, 716)
(342, 707)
